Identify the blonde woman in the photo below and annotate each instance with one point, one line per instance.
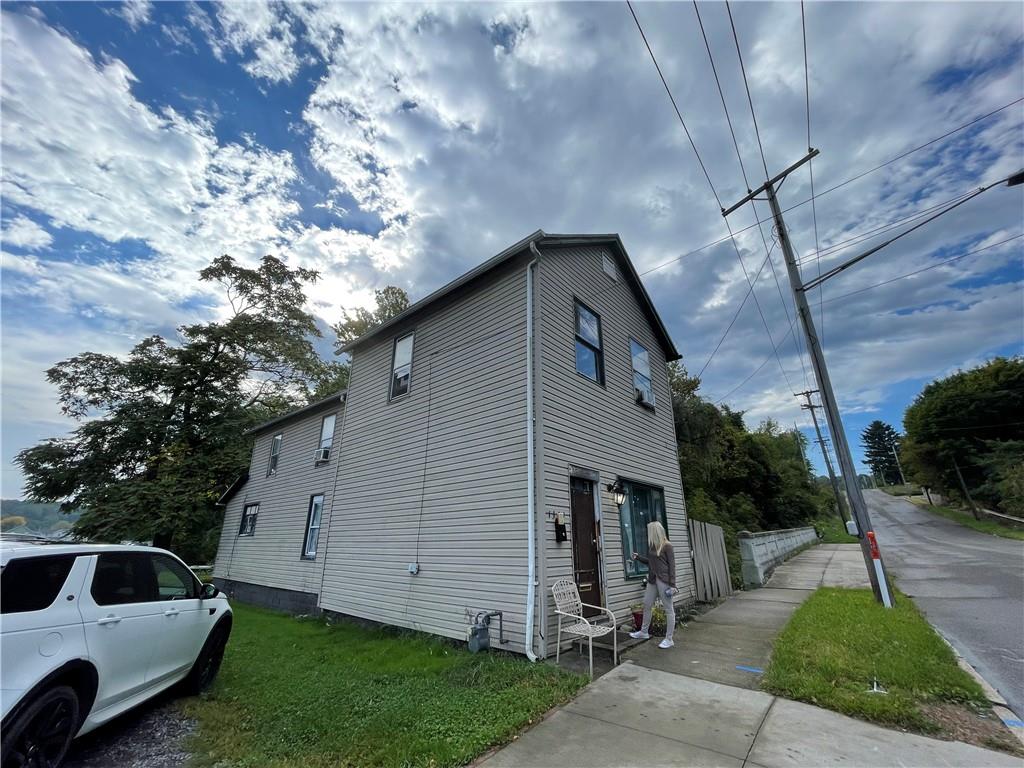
(661, 581)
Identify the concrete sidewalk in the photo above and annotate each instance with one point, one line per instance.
(698, 703)
(642, 717)
(732, 643)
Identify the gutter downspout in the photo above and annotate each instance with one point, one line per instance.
(531, 588)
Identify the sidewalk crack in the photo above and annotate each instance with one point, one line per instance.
(758, 731)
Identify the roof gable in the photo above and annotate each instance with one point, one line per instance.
(539, 239)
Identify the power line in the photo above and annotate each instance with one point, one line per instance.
(735, 317)
(714, 192)
(755, 372)
(750, 101)
(837, 186)
(810, 168)
(673, 100)
(923, 269)
(760, 146)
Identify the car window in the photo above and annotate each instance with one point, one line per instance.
(173, 580)
(33, 583)
(123, 577)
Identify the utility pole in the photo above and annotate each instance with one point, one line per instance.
(809, 406)
(967, 494)
(892, 447)
(868, 543)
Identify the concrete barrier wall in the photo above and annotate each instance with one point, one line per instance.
(762, 552)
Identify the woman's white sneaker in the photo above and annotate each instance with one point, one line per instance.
(666, 643)
(639, 635)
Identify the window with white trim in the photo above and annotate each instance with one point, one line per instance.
(644, 504)
(323, 451)
(248, 524)
(316, 510)
(275, 452)
(642, 389)
(401, 366)
(589, 352)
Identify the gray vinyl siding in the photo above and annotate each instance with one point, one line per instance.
(272, 556)
(601, 428)
(443, 468)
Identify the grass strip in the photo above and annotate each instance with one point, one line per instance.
(840, 640)
(967, 519)
(302, 693)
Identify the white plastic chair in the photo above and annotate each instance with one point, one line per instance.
(568, 603)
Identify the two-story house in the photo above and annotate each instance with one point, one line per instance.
(511, 429)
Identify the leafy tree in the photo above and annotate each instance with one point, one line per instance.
(878, 439)
(12, 521)
(391, 301)
(161, 429)
(971, 419)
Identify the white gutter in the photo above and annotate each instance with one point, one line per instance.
(531, 588)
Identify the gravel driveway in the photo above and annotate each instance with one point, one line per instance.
(152, 735)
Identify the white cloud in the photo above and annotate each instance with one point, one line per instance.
(136, 13)
(22, 232)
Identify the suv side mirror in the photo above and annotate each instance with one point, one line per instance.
(208, 591)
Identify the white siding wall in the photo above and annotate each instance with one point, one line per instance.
(601, 428)
(458, 489)
(272, 556)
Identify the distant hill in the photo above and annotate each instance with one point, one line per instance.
(39, 517)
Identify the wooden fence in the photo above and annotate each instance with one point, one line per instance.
(710, 564)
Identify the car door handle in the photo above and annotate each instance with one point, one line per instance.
(171, 612)
(108, 620)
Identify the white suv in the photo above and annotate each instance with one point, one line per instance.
(88, 631)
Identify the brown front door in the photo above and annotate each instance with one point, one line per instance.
(585, 533)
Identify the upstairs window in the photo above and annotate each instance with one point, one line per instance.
(589, 354)
(323, 450)
(316, 510)
(642, 389)
(275, 452)
(248, 524)
(401, 366)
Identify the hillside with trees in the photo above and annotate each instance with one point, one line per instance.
(36, 516)
(972, 420)
(738, 478)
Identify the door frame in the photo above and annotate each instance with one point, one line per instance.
(595, 477)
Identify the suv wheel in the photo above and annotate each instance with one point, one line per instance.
(208, 661)
(40, 735)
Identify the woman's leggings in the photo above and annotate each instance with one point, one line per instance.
(658, 591)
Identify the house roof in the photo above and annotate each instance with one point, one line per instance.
(539, 239)
(336, 397)
(232, 489)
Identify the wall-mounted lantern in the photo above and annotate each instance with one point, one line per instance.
(618, 492)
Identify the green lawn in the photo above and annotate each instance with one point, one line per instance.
(300, 693)
(900, 490)
(834, 531)
(840, 639)
(967, 519)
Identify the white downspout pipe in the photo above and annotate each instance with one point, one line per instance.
(531, 588)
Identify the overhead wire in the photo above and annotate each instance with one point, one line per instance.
(810, 169)
(714, 191)
(923, 269)
(764, 162)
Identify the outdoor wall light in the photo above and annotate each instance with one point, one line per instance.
(618, 492)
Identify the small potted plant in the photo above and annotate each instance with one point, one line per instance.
(638, 615)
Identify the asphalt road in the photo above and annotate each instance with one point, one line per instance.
(969, 584)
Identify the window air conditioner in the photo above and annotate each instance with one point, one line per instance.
(323, 454)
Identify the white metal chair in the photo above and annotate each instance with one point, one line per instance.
(568, 604)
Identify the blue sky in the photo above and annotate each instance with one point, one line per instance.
(404, 144)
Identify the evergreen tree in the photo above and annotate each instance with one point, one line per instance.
(878, 440)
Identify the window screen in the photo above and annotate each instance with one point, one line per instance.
(275, 453)
(642, 389)
(589, 355)
(33, 583)
(248, 524)
(316, 509)
(401, 368)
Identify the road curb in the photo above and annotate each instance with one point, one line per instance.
(999, 705)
